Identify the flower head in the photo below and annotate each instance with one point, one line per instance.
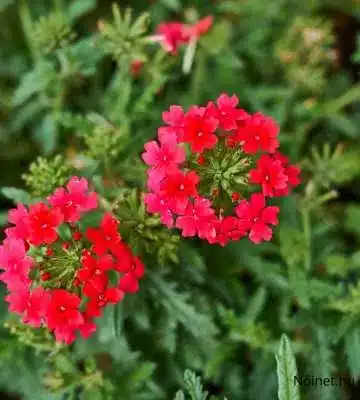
(75, 200)
(270, 174)
(258, 132)
(256, 217)
(43, 222)
(199, 130)
(106, 237)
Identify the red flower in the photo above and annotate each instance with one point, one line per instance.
(157, 204)
(124, 258)
(88, 327)
(270, 174)
(228, 228)
(75, 200)
(178, 187)
(94, 271)
(19, 217)
(65, 334)
(256, 217)
(259, 132)
(198, 219)
(136, 68)
(129, 283)
(100, 300)
(291, 171)
(105, 238)
(200, 28)
(199, 130)
(63, 310)
(226, 112)
(43, 222)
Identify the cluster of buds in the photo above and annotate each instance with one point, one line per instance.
(172, 35)
(213, 169)
(60, 275)
(307, 52)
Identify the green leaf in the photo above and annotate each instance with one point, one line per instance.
(47, 134)
(286, 371)
(79, 8)
(352, 350)
(33, 82)
(172, 4)
(218, 38)
(179, 396)
(17, 195)
(334, 106)
(352, 219)
(3, 218)
(5, 3)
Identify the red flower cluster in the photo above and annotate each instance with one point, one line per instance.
(197, 193)
(171, 35)
(63, 284)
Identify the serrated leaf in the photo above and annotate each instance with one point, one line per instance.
(286, 370)
(16, 195)
(200, 325)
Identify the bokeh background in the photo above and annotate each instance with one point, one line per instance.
(70, 94)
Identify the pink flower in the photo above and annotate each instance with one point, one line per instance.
(15, 262)
(175, 119)
(75, 200)
(31, 305)
(270, 174)
(157, 204)
(19, 217)
(198, 219)
(259, 132)
(256, 217)
(199, 130)
(164, 157)
(171, 36)
(225, 111)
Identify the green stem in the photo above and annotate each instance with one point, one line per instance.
(323, 199)
(27, 24)
(307, 236)
(58, 5)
